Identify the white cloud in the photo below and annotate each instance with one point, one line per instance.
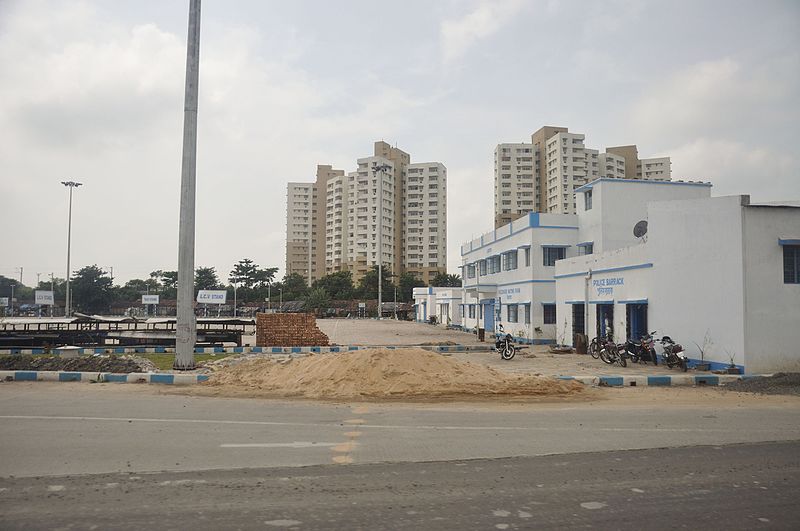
(458, 35)
(738, 168)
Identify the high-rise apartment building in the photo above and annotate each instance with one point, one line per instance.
(542, 176)
(347, 211)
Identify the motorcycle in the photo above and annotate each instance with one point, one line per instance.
(674, 354)
(504, 345)
(609, 352)
(639, 352)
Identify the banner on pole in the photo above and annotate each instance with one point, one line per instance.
(212, 296)
(44, 297)
(149, 299)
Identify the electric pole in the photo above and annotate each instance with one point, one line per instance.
(186, 329)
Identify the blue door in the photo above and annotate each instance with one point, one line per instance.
(637, 321)
(488, 316)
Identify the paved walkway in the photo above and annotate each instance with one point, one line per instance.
(549, 364)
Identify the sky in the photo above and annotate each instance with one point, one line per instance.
(92, 91)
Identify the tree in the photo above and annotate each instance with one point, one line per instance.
(206, 278)
(407, 283)
(444, 280)
(131, 291)
(337, 285)
(169, 279)
(317, 300)
(91, 290)
(244, 273)
(294, 287)
(368, 287)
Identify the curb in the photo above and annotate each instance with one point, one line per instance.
(248, 350)
(190, 379)
(661, 380)
(101, 377)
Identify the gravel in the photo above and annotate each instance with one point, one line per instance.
(118, 364)
(780, 383)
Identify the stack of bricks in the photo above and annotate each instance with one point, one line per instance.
(288, 330)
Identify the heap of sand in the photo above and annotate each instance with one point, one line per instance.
(379, 374)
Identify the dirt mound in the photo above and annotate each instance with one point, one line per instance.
(380, 373)
(118, 364)
(781, 383)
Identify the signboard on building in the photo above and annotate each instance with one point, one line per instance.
(212, 296)
(44, 297)
(3, 302)
(149, 299)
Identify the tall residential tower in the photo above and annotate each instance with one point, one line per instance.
(543, 175)
(345, 211)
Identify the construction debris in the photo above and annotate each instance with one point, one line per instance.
(288, 330)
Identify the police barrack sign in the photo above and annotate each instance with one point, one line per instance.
(605, 286)
(212, 296)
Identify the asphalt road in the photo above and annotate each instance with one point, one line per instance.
(130, 457)
(750, 486)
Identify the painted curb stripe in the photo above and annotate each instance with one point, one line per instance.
(659, 380)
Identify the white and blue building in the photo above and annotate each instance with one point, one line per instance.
(720, 275)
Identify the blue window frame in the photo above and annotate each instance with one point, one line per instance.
(551, 254)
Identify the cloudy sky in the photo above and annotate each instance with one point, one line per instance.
(93, 91)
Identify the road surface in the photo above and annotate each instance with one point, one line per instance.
(132, 456)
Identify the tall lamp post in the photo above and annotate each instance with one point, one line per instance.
(382, 168)
(70, 185)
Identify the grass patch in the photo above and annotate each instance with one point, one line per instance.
(164, 361)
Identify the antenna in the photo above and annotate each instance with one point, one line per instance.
(640, 229)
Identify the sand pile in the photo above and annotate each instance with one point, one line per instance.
(380, 373)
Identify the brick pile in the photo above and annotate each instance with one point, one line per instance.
(288, 330)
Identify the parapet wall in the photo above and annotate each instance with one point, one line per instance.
(288, 330)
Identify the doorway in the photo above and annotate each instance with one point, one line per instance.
(605, 320)
(637, 321)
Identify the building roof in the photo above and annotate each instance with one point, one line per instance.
(589, 186)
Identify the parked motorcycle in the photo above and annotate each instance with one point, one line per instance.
(504, 345)
(639, 352)
(674, 354)
(609, 352)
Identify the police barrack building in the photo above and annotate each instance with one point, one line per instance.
(720, 275)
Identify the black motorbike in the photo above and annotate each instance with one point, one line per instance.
(641, 351)
(504, 345)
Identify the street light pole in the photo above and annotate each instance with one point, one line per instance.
(234, 299)
(269, 296)
(186, 329)
(70, 185)
(380, 168)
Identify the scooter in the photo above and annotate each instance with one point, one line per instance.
(674, 355)
(504, 345)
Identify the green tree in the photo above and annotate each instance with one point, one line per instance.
(131, 291)
(317, 300)
(294, 287)
(91, 290)
(444, 280)
(407, 283)
(169, 283)
(206, 278)
(338, 286)
(368, 287)
(244, 273)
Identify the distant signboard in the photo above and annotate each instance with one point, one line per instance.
(212, 296)
(3, 301)
(149, 299)
(44, 297)
(362, 304)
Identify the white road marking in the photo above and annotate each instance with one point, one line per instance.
(593, 505)
(283, 523)
(295, 444)
(640, 491)
(500, 512)
(55, 488)
(373, 426)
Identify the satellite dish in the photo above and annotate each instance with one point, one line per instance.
(640, 229)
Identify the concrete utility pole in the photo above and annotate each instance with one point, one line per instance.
(380, 168)
(186, 330)
(70, 185)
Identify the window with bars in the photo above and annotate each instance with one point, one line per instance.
(549, 313)
(791, 264)
(527, 313)
(551, 254)
(513, 313)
